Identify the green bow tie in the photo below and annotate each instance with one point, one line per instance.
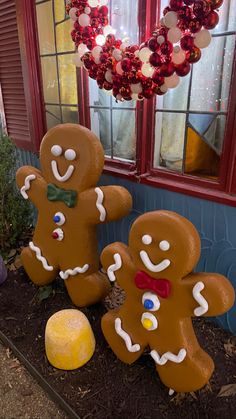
(57, 194)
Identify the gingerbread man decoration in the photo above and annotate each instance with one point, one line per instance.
(69, 208)
(162, 294)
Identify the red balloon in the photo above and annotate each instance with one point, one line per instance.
(183, 69)
(157, 79)
(187, 42)
(153, 44)
(211, 20)
(193, 55)
(155, 60)
(215, 4)
(166, 70)
(195, 25)
(176, 4)
(201, 8)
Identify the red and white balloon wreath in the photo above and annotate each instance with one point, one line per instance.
(141, 71)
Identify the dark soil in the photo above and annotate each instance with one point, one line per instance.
(105, 388)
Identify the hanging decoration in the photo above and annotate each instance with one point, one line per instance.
(135, 72)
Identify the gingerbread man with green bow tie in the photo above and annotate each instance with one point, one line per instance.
(162, 294)
(70, 206)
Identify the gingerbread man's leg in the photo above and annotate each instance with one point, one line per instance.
(125, 344)
(37, 266)
(85, 290)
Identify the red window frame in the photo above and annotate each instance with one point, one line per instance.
(142, 171)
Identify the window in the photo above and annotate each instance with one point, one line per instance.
(183, 141)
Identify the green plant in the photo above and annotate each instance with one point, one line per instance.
(15, 213)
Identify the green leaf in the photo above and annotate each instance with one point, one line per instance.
(44, 293)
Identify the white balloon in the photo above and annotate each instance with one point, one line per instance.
(108, 76)
(160, 39)
(103, 2)
(136, 88)
(96, 51)
(84, 20)
(174, 35)
(172, 81)
(144, 54)
(164, 88)
(82, 49)
(119, 68)
(202, 39)
(87, 10)
(72, 14)
(178, 57)
(147, 70)
(100, 40)
(171, 19)
(117, 54)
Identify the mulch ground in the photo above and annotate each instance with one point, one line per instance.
(105, 388)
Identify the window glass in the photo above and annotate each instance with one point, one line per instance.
(58, 68)
(191, 140)
(117, 116)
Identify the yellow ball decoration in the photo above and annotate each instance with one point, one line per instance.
(69, 339)
(147, 324)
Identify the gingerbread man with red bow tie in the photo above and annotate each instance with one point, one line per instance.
(162, 294)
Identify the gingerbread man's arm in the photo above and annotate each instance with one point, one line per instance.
(117, 262)
(31, 184)
(212, 294)
(105, 203)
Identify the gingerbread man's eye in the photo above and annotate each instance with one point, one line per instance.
(164, 245)
(70, 154)
(146, 239)
(56, 150)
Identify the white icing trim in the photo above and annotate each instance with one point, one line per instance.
(164, 245)
(27, 185)
(154, 298)
(57, 175)
(153, 319)
(203, 304)
(99, 205)
(168, 356)
(39, 256)
(150, 266)
(147, 239)
(60, 233)
(115, 267)
(125, 336)
(72, 272)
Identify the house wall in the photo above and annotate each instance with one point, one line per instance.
(216, 224)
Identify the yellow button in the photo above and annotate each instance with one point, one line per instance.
(147, 324)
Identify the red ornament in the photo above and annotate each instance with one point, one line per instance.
(194, 55)
(166, 70)
(159, 80)
(211, 20)
(215, 4)
(201, 8)
(153, 44)
(176, 4)
(187, 42)
(155, 60)
(183, 69)
(195, 25)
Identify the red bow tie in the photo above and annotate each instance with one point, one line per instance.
(161, 287)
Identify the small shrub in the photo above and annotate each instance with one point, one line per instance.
(15, 213)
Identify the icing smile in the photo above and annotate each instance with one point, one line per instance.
(57, 175)
(151, 266)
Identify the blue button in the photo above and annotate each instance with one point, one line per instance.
(148, 304)
(56, 219)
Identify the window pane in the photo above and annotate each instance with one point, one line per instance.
(64, 41)
(45, 28)
(60, 10)
(169, 140)
(70, 114)
(124, 18)
(212, 76)
(98, 97)
(101, 126)
(67, 74)
(123, 134)
(50, 79)
(53, 116)
(175, 99)
(227, 14)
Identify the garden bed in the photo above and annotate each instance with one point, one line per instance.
(106, 388)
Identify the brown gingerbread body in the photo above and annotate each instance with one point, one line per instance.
(161, 297)
(69, 208)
